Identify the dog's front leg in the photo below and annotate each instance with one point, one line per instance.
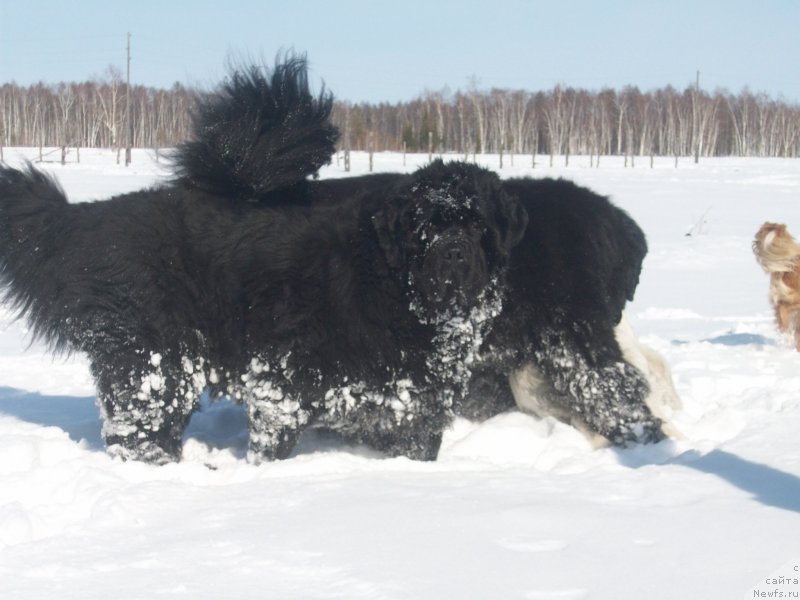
(400, 422)
(602, 391)
(417, 441)
(488, 394)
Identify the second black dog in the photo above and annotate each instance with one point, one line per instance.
(566, 287)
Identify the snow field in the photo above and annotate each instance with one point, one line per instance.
(514, 508)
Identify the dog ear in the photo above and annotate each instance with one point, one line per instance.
(388, 224)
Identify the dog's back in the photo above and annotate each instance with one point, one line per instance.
(67, 266)
(596, 228)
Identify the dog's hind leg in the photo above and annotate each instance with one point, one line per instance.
(146, 400)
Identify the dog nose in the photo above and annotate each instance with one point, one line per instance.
(454, 253)
(454, 250)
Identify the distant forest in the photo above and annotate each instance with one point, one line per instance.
(560, 121)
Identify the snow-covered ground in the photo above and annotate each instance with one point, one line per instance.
(513, 508)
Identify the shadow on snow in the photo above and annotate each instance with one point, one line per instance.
(768, 485)
(733, 339)
(216, 424)
(224, 424)
(77, 416)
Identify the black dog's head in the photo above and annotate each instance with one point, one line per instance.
(449, 230)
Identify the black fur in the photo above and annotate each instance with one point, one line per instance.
(567, 283)
(368, 304)
(308, 316)
(261, 131)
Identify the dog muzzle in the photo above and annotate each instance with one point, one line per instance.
(454, 271)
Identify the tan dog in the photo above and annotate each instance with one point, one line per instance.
(779, 255)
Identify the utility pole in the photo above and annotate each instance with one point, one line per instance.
(696, 115)
(128, 123)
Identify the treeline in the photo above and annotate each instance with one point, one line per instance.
(565, 121)
(93, 115)
(561, 121)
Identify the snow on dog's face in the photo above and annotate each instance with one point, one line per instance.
(449, 233)
(449, 266)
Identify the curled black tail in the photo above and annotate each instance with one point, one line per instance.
(32, 207)
(259, 132)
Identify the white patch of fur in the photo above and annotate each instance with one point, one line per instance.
(530, 388)
(534, 395)
(663, 398)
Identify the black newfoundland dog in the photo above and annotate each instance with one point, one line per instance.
(361, 314)
(375, 305)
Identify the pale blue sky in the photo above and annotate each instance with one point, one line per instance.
(394, 50)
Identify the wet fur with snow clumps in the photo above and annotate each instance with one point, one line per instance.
(563, 292)
(376, 305)
(361, 314)
(567, 283)
(778, 253)
(533, 394)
